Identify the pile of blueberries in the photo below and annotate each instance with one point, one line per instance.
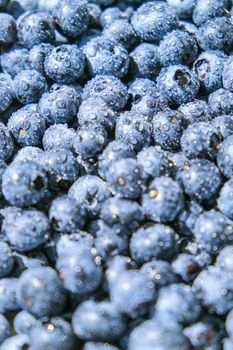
(116, 175)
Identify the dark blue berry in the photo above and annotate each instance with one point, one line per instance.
(7, 29)
(225, 157)
(37, 55)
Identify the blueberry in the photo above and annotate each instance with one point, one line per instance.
(7, 30)
(225, 200)
(61, 166)
(196, 111)
(99, 346)
(106, 57)
(114, 150)
(212, 288)
(186, 266)
(224, 125)
(66, 215)
(110, 14)
(14, 61)
(177, 47)
(183, 8)
(117, 211)
(56, 333)
(153, 242)
(134, 129)
(6, 143)
(65, 63)
(209, 68)
(24, 184)
(215, 34)
(188, 216)
(90, 192)
(29, 85)
(34, 28)
(121, 31)
(37, 55)
(78, 265)
(16, 342)
(58, 136)
(23, 322)
(29, 153)
(152, 20)
(224, 259)
(6, 260)
(200, 140)
(208, 10)
(40, 292)
(229, 323)
(160, 273)
(27, 126)
(109, 88)
(220, 102)
(124, 178)
(178, 84)
(225, 157)
(95, 12)
(5, 330)
(8, 301)
(163, 200)
(144, 61)
(98, 321)
(60, 105)
(168, 128)
(213, 231)
(154, 161)
(94, 110)
(227, 343)
(200, 179)
(7, 92)
(71, 17)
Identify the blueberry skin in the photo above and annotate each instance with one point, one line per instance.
(34, 28)
(168, 127)
(135, 299)
(40, 292)
(14, 61)
(65, 64)
(200, 179)
(5, 330)
(227, 343)
(71, 17)
(141, 87)
(178, 302)
(177, 47)
(156, 335)
(94, 110)
(90, 140)
(188, 216)
(99, 346)
(209, 67)
(229, 323)
(208, 10)
(215, 34)
(60, 106)
(213, 231)
(153, 20)
(29, 153)
(144, 61)
(6, 261)
(134, 130)
(225, 157)
(186, 266)
(8, 301)
(78, 266)
(225, 199)
(90, 192)
(178, 84)
(220, 102)
(111, 241)
(27, 126)
(23, 322)
(7, 30)
(56, 333)
(26, 229)
(121, 31)
(61, 167)
(24, 184)
(117, 211)
(98, 321)
(183, 9)
(160, 273)
(3, 3)
(7, 92)
(196, 111)
(154, 161)
(110, 14)
(114, 150)
(106, 57)
(153, 242)
(209, 286)
(66, 215)
(95, 12)
(15, 342)
(227, 78)
(225, 262)
(6, 143)
(109, 88)
(224, 125)
(37, 55)
(163, 200)
(124, 178)
(200, 140)
(29, 85)
(58, 136)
